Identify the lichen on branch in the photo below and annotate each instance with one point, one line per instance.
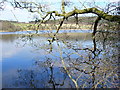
(102, 14)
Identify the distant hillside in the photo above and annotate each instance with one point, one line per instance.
(8, 26)
(71, 20)
(83, 23)
(70, 23)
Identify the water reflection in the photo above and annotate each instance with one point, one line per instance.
(75, 58)
(47, 31)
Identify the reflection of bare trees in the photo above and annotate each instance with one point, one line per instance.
(75, 66)
(96, 68)
(44, 75)
(85, 67)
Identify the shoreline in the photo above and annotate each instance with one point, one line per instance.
(41, 30)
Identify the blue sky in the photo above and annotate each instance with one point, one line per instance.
(22, 15)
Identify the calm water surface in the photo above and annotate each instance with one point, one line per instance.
(28, 63)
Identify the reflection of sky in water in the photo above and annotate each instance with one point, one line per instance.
(12, 52)
(15, 56)
(48, 31)
(25, 55)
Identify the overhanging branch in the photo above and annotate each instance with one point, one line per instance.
(102, 14)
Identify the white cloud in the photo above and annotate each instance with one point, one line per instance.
(113, 0)
(16, 14)
(8, 6)
(82, 0)
(7, 50)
